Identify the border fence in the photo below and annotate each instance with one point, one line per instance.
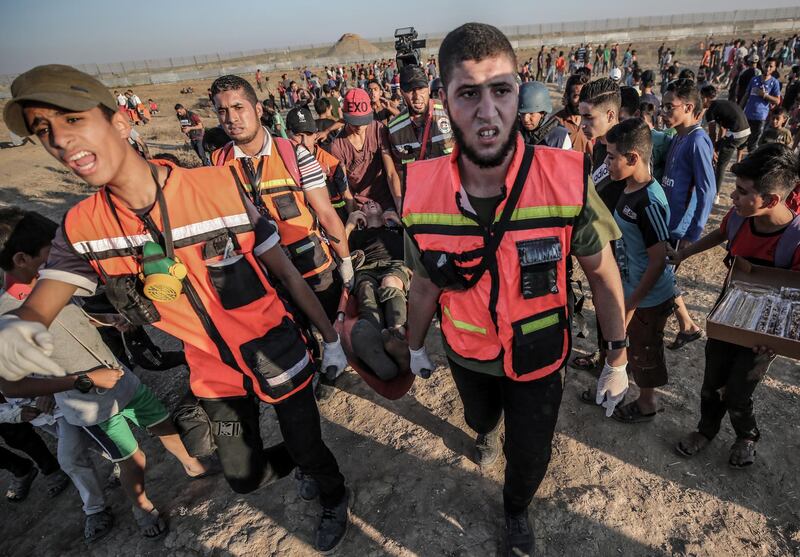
(619, 30)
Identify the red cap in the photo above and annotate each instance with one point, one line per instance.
(357, 108)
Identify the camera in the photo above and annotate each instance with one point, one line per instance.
(407, 47)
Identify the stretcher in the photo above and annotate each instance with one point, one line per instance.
(346, 318)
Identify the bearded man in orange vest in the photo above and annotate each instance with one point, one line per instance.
(489, 232)
(185, 251)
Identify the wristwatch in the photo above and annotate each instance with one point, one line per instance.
(83, 383)
(617, 344)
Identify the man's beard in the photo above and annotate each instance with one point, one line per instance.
(249, 138)
(571, 109)
(486, 161)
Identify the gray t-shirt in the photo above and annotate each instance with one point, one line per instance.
(95, 406)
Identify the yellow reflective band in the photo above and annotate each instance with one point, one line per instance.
(539, 324)
(563, 211)
(438, 105)
(463, 325)
(447, 150)
(443, 219)
(406, 161)
(337, 204)
(278, 182)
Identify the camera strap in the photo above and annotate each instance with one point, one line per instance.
(163, 237)
(497, 231)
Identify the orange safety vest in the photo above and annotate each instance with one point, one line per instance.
(281, 198)
(328, 163)
(517, 309)
(239, 338)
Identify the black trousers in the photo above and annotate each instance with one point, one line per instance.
(246, 464)
(727, 148)
(530, 411)
(24, 438)
(756, 129)
(732, 374)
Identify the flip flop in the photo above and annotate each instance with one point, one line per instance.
(631, 414)
(56, 482)
(682, 339)
(586, 363)
(150, 523)
(692, 444)
(745, 452)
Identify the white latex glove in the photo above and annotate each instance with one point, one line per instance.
(421, 365)
(334, 359)
(612, 386)
(346, 271)
(24, 349)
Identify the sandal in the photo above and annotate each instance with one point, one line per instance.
(21, 486)
(682, 339)
(587, 363)
(743, 454)
(692, 444)
(97, 526)
(631, 414)
(56, 482)
(150, 523)
(588, 397)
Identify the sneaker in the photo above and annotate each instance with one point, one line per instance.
(488, 447)
(332, 526)
(307, 486)
(97, 526)
(519, 536)
(21, 486)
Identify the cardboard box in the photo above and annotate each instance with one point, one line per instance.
(745, 271)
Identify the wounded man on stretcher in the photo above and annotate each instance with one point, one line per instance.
(381, 289)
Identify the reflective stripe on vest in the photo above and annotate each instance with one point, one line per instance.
(285, 203)
(238, 336)
(405, 143)
(515, 312)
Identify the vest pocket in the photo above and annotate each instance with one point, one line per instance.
(235, 281)
(279, 359)
(286, 205)
(538, 265)
(538, 341)
(307, 254)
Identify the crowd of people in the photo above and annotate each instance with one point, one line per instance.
(449, 189)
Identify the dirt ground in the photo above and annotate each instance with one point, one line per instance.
(611, 489)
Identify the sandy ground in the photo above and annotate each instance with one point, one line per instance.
(611, 489)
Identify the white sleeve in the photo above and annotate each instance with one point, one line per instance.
(311, 175)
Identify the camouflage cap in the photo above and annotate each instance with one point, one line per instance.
(61, 86)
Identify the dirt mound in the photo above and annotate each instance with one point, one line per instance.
(350, 44)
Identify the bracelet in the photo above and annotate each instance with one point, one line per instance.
(617, 344)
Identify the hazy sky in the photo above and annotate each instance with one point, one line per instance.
(84, 31)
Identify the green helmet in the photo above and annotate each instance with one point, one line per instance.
(534, 97)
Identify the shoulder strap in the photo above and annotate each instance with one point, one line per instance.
(787, 244)
(220, 156)
(289, 156)
(732, 228)
(499, 229)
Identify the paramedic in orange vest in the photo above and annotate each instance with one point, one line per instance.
(489, 231)
(295, 207)
(303, 129)
(184, 251)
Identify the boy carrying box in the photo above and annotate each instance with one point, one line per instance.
(642, 213)
(756, 229)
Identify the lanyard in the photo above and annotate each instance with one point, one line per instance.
(426, 133)
(164, 238)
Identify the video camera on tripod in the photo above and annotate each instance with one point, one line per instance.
(407, 47)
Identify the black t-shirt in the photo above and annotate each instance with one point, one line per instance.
(322, 125)
(728, 115)
(608, 189)
(792, 92)
(485, 207)
(380, 244)
(743, 82)
(382, 115)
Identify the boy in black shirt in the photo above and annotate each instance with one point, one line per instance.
(727, 127)
(381, 287)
